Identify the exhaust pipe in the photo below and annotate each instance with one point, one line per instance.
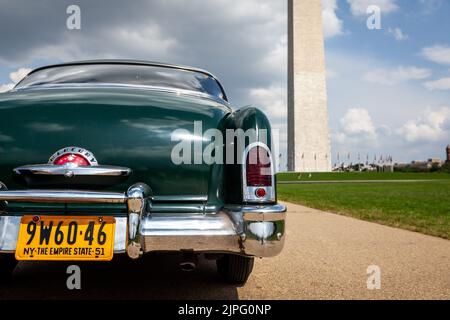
(188, 266)
(188, 262)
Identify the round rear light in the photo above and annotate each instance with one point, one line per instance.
(260, 192)
(75, 159)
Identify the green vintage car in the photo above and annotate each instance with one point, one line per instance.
(100, 158)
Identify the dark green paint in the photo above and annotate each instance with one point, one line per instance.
(128, 127)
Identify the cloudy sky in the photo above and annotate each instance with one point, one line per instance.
(388, 89)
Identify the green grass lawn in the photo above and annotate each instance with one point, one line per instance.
(321, 176)
(419, 206)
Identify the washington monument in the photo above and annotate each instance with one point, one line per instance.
(308, 135)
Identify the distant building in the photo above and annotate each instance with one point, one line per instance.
(359, 167)
(435, 161)
(386, 168)
(419, 165)
(384, 164)
(425, 165)
(401, 165)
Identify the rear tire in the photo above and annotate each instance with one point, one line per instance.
(7, 265)
(234, 268)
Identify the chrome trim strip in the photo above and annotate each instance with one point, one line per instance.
(62, 170)
(275, 208)
(175, 207)
(276, 212)
(181, 198)
(62, 196)
(161, 203)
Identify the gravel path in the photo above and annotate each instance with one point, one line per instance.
(326, 257)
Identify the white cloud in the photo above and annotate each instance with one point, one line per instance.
(438, 54)
(242, 43)
(15, 77)
(395, 76)
(6, 87)
(398, 34)
(430, 6)
(357, 122)
(389, 107)
(431, 125)
(332, 25)
(356, 132)
(359, 7)
(122, 41)
(272, 100)
(138, 39)
(18, 75)
(331, 74)
(441, 84)
(276, 59)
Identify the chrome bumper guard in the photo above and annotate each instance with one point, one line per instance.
(257, 230)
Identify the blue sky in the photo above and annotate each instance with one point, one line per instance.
(382, 89)
(422, 27)
(388, 89)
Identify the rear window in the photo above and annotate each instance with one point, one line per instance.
(125, 74)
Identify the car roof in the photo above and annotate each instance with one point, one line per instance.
(126, 61)
(133, 62)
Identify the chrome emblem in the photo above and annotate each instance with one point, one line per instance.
(88, 155)
(71, 167)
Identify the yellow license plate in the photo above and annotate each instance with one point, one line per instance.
(66, 238)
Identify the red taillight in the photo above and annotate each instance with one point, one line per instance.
(258, 168)
(72, 158)
(260, 192)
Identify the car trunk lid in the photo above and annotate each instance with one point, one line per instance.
(126, 127)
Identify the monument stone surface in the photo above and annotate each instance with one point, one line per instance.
(308, 134)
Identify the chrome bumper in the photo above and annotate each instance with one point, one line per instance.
(249, 230)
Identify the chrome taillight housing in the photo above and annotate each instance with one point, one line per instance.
(258, 174)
